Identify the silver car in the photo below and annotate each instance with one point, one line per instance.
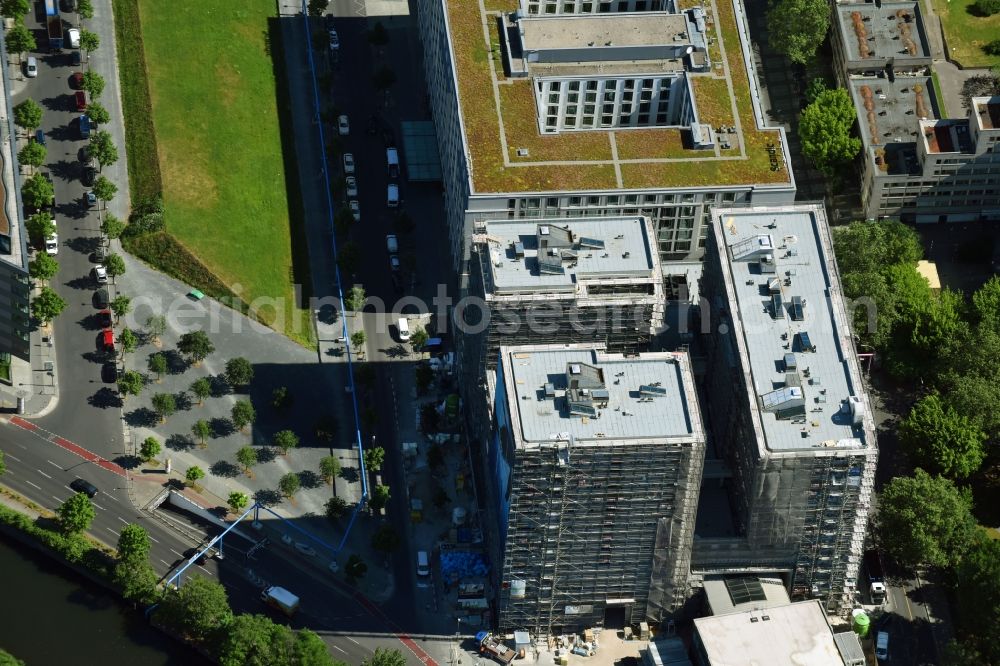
(352, 186)
(31, 67)
(348, 163)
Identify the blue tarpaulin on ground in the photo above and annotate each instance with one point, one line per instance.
(462, 564)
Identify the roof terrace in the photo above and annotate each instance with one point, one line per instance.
(988, 112)
(581, 395)
(792, 329)
(947, 136)
(507, 153)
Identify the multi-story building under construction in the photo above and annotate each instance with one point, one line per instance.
(594, 280)
(788, 410)
(596, 463)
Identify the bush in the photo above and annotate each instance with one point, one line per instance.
(993, 48)
(986, 7)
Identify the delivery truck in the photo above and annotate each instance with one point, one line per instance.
(55, 25)
(494, 647)
(282, 599)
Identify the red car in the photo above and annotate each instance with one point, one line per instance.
(81, 100)
(76, 80)
(106, 342)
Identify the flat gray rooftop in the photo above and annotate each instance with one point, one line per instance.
(794, 337)
(627, 252)
(593, 31)
(889, 115)
(794, 634)
(625, 415)
(893, 30)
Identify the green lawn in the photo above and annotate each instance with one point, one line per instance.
(966, 34)
(212, 91)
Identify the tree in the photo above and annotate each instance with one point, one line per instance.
(164, 405)
(149, 449)
(798, 27)
(378, 35)
(133, 543)
(89, 42)
(137, 580)
(243, 414)
(195, 345)
(281, 398)
(201, 388)
(93, 83)
(156, 326)
(3, 464)
(289, 484)
(825, 127)
(103, 148)
(329, 468)
(197, 609)
(40, 226)
(33, 154)
(286, 440)
(986, 7)
(325, 428)
(115, 265)
(941, 440)
(418, 339)
(76, 514)
(43, 267)
(310, 650)
(239, 372)
(157, 364)
(925, 519)
(975, 397)
(130, 383)
(355, 567)
(37, 192)
(385, 539)
(870, 246)
(105, 191)
(255, 640)
(379, 498)
(85, 9)
(815, 87)
(111, 226)
(193, 474)
(980, 85)
(247, 457)
(961, 654)
(201, 430)
(20, 39)
(129, 341)
(318, 7)
(358, 340)
(992, 48)
(97, 113)
(385, 657)
(28, 115)
(15, 9)
(355, 300)
(238, 501)
(47, 305)
(374, 457)
(120, 305)
(383, 77)
(979, 582)
(336, 507)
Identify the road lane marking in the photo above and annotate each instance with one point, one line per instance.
(98, 505)
(31, 484)
(112, 531)
(58, 467)
(43, 474)
(57, 499)
(13, 457)
(205, 570)
(340, 648)
(165, 562)
(110, 496)
(174, 551)
(352, 640)
(123, 520)
(153, 538)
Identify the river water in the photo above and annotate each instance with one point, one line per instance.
(53, 616)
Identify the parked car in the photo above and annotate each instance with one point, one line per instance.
(89, 176)
(52, 245)
(109, 372)
(355, 209)
(101, 299)
(31, 67)
(90, 198)
(81, 100)
(334, 40)
(328, 21)
(343, 126)
(76, 80)
(100, 274)
(74, 37)
(394, 262)
(352, 186)
(85, 487)
(106, 341)
(75, 58)
(99, 255)
(84, 126)
(104, 318)
(348, 163)
(40, 136)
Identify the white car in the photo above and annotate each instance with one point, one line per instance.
(334, 40)
(74, 38)
(348, 163)
(52, 245)
(100, 274)
(355, 209)
(343, 127)
(394, 263)
(352, 186)
(31, 67)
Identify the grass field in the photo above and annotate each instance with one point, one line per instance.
(217, 138)
(966, 33)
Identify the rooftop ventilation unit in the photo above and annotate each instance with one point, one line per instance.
(550, 390)
(582, 408)
(550, 266)
(591, 243)
(856, 408)
(752, 248)
(767, 266)
(519, 250)
(654, 390)
(783, 401)
(777, 307)
(798, 308)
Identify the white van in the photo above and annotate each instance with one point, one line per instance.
(392, 160)
(423, 564)
(392, 196)
(882, 646)
(404, 329)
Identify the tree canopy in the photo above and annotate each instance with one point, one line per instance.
(286, 440)
(239, 371)
(76, 514)
(20, 39)
(243, 414)
(385, 657)
(826, 128)
(941, 440)
(28, 115)
(197, 609)
(979, 610)
(37, 192)
(796, 28)
(47, 305)
(195, 345)
(925, 519)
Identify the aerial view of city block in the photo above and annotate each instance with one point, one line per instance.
(559, 332)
